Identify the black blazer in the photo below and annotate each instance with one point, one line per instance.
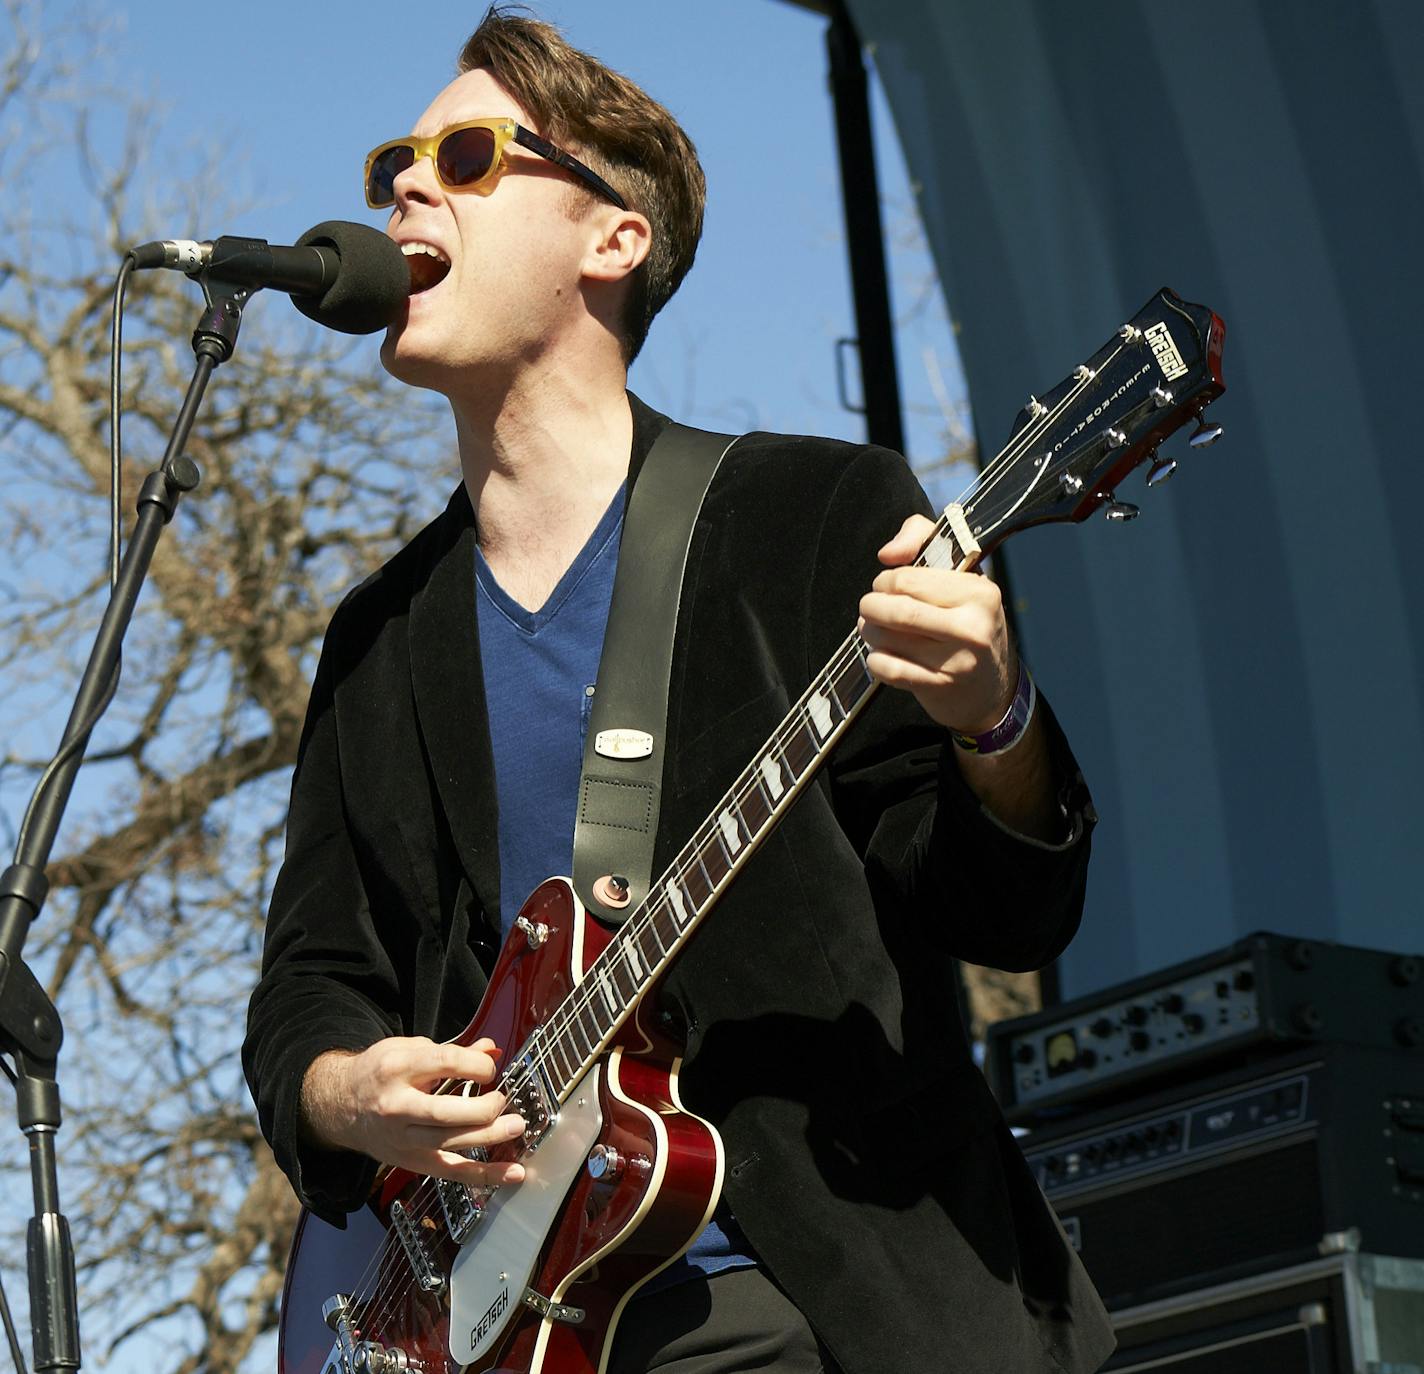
(866, 1160)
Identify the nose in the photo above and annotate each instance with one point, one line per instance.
(417, 184)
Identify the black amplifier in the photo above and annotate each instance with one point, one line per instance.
(1346, 1314)
(1252, 1171)
(1254, 998)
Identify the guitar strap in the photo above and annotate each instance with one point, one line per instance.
(620, 790)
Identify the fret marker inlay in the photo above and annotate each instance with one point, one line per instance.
(820, 710)
(674, 893)
(771, 771)
(729, 832)
(608, 996)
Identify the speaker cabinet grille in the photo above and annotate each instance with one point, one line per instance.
(1146, 1239)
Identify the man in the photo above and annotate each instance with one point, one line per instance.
(876, 1213)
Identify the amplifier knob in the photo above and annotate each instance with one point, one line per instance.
(1244, 981)
(1140, 1040)
(1194, 1023)
(1135, 1015)
(1173, 1003)
(1087, 1059)
(1102, 1028)
(1023, 1053)
(1409, 1031)
(1150, 1136)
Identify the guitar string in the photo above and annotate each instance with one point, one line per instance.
(1003, 463)
(747, 785)
(572, 1009)
(607, 960)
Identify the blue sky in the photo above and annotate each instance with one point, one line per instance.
(292, 96)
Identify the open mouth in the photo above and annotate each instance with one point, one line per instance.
(428, 266)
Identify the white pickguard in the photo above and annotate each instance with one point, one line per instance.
(493, 1268)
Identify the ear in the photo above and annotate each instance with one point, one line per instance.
(621, 240)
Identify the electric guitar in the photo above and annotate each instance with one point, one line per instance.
(620, 1177)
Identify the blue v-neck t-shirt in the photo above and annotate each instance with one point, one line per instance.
(540, 668)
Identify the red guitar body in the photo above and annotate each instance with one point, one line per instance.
(611, 1234)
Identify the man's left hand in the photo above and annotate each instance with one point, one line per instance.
(939, 634)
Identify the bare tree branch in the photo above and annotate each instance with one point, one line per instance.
(313, 465)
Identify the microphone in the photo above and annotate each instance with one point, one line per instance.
(342, 275)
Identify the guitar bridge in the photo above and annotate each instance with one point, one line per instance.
(421, 1265)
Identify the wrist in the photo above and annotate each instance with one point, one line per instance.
(322, 1095)
(1011, 727)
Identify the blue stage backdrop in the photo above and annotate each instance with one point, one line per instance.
(1239, 668)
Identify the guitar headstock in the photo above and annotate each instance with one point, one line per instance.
(1071, 447)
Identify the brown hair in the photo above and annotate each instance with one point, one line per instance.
(619, 130)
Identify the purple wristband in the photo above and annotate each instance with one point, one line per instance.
(999, 739)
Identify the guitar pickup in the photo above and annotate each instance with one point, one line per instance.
(463, 1205)
(533, 1097)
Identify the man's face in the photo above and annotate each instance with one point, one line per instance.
(513, 248)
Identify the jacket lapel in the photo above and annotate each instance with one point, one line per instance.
(449, 689)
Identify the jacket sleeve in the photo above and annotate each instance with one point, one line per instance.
(993, 896)
(326, 980)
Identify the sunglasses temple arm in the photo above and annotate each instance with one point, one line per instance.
(528, 139)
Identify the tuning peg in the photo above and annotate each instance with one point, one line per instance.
(1122, 511)
(1160, 396)
(1116, 438)
(1161, 470)
(1204, 435)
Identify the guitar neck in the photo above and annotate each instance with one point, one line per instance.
(654, 932)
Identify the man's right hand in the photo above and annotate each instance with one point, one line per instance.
(380, 1102)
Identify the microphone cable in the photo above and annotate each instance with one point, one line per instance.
(76, 738)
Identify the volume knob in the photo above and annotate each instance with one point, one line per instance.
(604, 1162)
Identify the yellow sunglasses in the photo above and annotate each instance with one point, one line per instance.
(467, 156)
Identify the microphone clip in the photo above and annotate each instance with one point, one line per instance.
(216, 330)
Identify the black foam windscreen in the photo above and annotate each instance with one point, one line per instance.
(370, 289)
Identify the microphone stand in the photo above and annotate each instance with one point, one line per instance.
(30, 1029)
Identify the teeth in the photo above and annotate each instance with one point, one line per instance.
(429, 249)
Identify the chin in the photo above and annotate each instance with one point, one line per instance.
(410, 360)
